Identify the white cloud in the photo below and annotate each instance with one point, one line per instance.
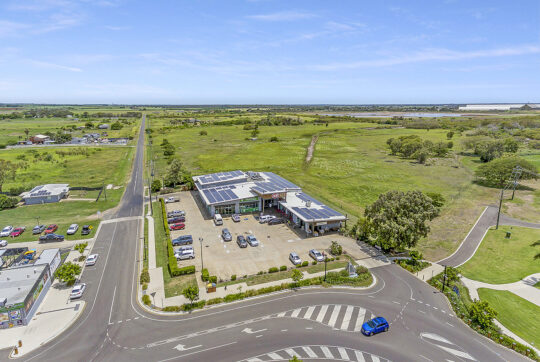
(11, 28)
(283, 16)
(41, 64)
(117, 28)
(430, 55)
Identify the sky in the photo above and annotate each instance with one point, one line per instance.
(269, 51)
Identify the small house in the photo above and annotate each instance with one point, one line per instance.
(45, 194)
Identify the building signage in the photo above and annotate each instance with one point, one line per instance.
(280, 195)
(12, 307)
(321, 223)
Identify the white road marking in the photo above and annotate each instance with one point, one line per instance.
(282, 314)
(254, 359)
(322, 313)
(284, 330)
(334, 315)
(451, 325)
(259, 336)
(396, 302)
(296, 312)
(112, 303)
(309, 327)
(182, 347)
(375, 358)
(309, 352)
(359, 356)
(327, 352)
(309, 312)
(343, 354)
(292, 353)
(421, 311)
(275, 356)
(203, 350)
(458, 353)
(435, 337)
(360, 319)
(347, 318)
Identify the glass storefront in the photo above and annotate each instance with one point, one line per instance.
(252, 206)
(225, 209)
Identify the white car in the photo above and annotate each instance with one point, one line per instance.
(91, 260)
(6, 231)
(171, 199)
(265, 218)
(184, 253)
(72, 229)
(316, 254)
(294, 258)
(3, 242)
(77, 291)
(252, 240)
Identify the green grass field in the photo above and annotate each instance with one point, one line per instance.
(351, 166)
(499, 260)
(517, 314)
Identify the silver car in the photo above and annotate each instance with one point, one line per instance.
(294, 258)
(6, 231)
(316, 254)
(72, 229)
(184, 253)
(226, 235)
(77, 291)
(252, 240)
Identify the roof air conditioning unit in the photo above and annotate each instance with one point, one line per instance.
(308, 203)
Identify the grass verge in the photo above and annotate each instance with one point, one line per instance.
(517, 314)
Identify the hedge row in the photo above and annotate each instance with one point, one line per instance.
(174, 270)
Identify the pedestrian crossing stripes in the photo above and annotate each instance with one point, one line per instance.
(446, 345)
(343, 317)
(314, 352)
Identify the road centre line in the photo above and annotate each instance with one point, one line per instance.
(204, 350)
(112, 304)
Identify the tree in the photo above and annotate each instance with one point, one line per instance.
(510, 145)
(7, 171)
(489, 150)
(191, 293)
(67, 272)
(335, 248)
(168, 150)
(297, 275)
(449, 135)
(156, 186)
(498, 172)
(116, 126)
(274, 139)
(452, 274)
(421, 155)
(26, 132)
(203, 133)
(437, 198)
(482, 314)
(175, 171)
(398, 220)
(416, 256)
(7, 202)
(81, 247)
(89, 125)
(440, 149)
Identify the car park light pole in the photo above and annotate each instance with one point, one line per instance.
(324, 254)
(202, 261)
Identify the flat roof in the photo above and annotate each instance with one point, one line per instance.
(47, 256)
(309, 209)
(46, 190)
(16, 283)
(219, 177)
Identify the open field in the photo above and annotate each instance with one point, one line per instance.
(517, 314)
(499, 260)
(351, 166)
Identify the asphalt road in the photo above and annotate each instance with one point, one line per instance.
(313, 323)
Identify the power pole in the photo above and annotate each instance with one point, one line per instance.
(516, 174)
(500, 205)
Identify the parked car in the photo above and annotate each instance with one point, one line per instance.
(72, 229)
(252, 240)
(6, 231)
(92, 259)
(176, 213)
(47, 238)
(3, 242)
(226, 235)
(86, 230)
(184, 253)
(176, 220)
(38, 229)
(218, 220)
(374, 326)
(171, 199)
(235, 217)
(183, 240)
(316, 254)
(77, 291)
(264, 218)
(178, 226)
(241, 241)
(17, 232)
(51, 229)
(277, 220)
(294, 258)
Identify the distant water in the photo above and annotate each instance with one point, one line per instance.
(386, 115)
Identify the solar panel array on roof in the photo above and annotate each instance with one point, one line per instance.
(274, 183)
(220, 194)
(317, 214)
(219, 176)
(305, 197)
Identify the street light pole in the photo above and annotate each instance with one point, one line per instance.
(202, 261)
(444, 279)
(324, 266)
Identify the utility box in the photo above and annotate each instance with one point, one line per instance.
(508, 234)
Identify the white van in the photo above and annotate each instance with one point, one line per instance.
(218, 220)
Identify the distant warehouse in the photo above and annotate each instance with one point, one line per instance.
(44, 194)
(239, 192)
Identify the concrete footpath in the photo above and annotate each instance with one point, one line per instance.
(524, 288)
(55, 314)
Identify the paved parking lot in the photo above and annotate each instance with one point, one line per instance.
(226, 258)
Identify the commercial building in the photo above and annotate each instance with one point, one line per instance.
(44, 194)
(21, 291)
(238, 192)
(496, 107)
(50, 257)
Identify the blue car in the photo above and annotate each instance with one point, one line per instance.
(374, 326)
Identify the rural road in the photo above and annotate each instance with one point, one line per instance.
(313, 323)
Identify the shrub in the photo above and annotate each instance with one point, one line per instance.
(172, 308)
(145, 286)
(273, 269)
(274, 139)
(212, 279)
(214, 301)
(233, 277)
(205, 275)
(260, 273)
(305, 263)
(7, 202)
(190, 306)
(146, 299)
(183, 271)
(282, 268)
(203, 133)
(335, 248)
(314, 262)
(145, 276)
(156, 185)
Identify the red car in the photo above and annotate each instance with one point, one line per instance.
(177, 226)
(16, 232)
(51, 229)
